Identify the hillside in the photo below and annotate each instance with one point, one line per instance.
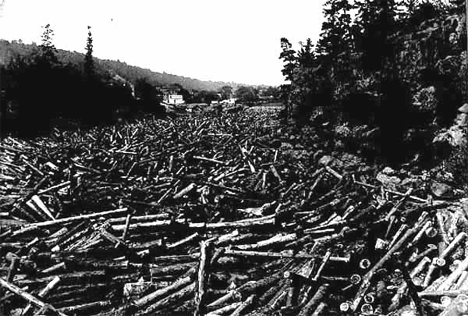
(129, 72)
(390, 78)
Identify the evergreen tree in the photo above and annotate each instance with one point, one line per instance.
(336, 38)
(336, 47)
(377, 23)
(48, 52)
(288, 55)
(89, 62)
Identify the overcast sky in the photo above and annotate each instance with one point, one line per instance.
(222, 40)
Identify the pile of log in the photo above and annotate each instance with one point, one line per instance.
(218, 215)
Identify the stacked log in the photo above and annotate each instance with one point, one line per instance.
(218, 215)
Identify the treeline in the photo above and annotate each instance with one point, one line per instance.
(43, 87)
(373, 59)
(9, 50)
(38, 91)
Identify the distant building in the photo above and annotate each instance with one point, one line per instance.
(229, 102)
(173, 99)
(172, 102)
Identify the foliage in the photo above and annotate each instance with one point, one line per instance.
(204, 96)
(457, 165)
(48, 52)
(131, 73)
(226, 92)
(362, 68)
(38, 90)
(89, 62)
(246, 94)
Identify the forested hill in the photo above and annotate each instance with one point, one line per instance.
(131, 73)
(389, 76)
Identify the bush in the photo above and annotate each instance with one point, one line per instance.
(457, 165)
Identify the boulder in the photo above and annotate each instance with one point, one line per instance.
(390, 182)
(463, 108)
(454, 137)
(440, 189)
(388, 171)
(425, 100)
(326, 160)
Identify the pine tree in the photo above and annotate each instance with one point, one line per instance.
(336, 37)
(336, 46)
(288, 55)
(48, 52)
(376, 20)
(89, 62)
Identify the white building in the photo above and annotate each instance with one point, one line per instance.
(173, 99)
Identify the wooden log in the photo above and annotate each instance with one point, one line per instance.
(127, 225)
(243, 306)
(247, 223)
(172, 269)
(450, 293)
(451, 247)
(138, 219)
(370, 274)
(17, 206)
(315, 300)
(73, 235)
(68, 278)
(15, 260)
(201, 280)
(178, 296)
(398, 204)
(273, 241)
(82, 308)
(414, 198)
(37, 200)
(325, 260)
(233, 294)
(54, 188)
(42, 294)
(411, 288)
(183, 241)
(210, 160)
(161, 293)
(9, 296)
(284, 254)
(441, 225)
(454, 275)
(28, 297)
(224, 310)
(62, 221)
(320, 310)
(184, 191)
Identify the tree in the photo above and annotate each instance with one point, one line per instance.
(273, 92)
(89, 62)
(288, 55)
(146, 91)
(246, 94)
(376, 21)
(48, 52)
(226, 92)
(337, 31)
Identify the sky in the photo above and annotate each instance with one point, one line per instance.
(219, 40)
